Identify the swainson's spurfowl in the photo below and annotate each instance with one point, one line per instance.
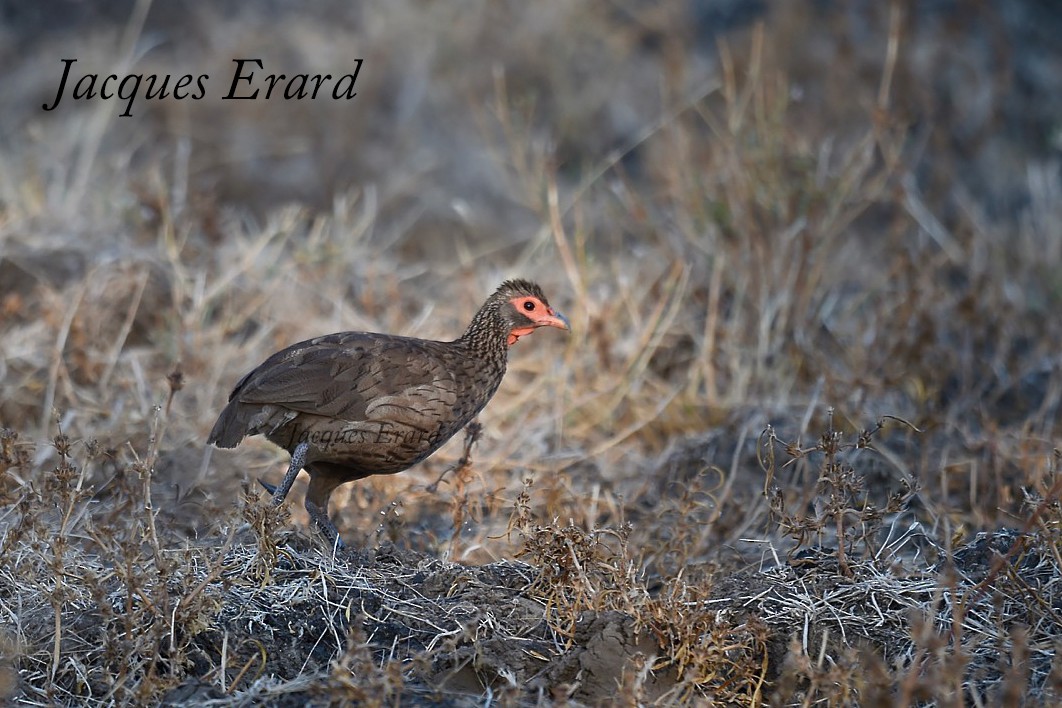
(354, 404)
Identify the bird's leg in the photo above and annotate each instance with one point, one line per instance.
(472, 432)
(324, 478)
(280, 492)
(320, 517)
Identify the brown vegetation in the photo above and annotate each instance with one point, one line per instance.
(799, 448)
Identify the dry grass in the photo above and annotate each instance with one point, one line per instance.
(798, 449)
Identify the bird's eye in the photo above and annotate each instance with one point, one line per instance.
(529, 305)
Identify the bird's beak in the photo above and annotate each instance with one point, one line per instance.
(555, 319)
(552, 318)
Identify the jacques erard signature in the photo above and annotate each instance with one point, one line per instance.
(246, 84)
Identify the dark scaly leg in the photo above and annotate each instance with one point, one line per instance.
(280, 492)
(323, 480)
(319, 516)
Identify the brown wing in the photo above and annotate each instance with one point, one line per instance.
(353, 376)
(349, 376)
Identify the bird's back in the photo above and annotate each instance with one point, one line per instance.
(372, 402)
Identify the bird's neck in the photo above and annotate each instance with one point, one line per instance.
(487, 336)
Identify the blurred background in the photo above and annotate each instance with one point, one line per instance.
(974, 82)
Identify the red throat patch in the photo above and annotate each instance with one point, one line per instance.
(518, 332)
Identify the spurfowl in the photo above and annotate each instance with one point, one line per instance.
(354, 404)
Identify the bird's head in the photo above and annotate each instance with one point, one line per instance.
(517, 308)
(524, 308)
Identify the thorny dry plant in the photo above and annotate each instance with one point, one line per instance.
(123, 610)
(582, 570)
(840, 500)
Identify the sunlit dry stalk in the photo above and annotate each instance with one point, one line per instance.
(127, 325)
(651, 332)
(560, 239)
(103, 113)
(897, 11)
(57, 356)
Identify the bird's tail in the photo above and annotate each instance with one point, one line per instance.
(230, 428)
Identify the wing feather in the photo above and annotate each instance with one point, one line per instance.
(355, 376)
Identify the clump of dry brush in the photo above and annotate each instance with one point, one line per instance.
(842, 508)
(880, 607)
(100, 608)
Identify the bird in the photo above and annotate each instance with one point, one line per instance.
(349, 405)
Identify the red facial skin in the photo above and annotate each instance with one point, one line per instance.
(540, 314)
